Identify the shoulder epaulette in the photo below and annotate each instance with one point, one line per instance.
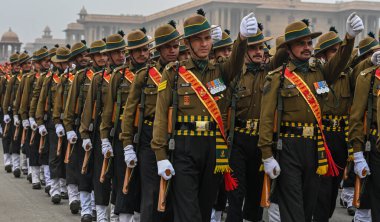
(270, 73)
(172, 65)
(368, 70)
(142, 69)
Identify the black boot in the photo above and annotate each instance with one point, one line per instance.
(86, 218)
(93, 215)
(25, 171)
(47, 190)
(74, 206)
(351, 210)
(36, 186)
(56, 199)
(64, 195)
(8, 168)
(29, 178)
(17, 173)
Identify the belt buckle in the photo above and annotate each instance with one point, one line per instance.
(335, 123)
(308, 131)
(248, 124)
(202, 126)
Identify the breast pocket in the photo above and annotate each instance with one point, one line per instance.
(151, 95)
(186, 97)
(244, 98)
(291, 98)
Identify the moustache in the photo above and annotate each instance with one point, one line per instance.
(306, 51)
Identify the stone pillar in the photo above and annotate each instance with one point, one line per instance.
(229, 18)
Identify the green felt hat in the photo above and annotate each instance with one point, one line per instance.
(327, 40)
(137, 39)
(298, 30)
(225, 41)
(96, 47)
(259, 37)
(40, 54)
(165, 34)
(78, 48)
(24, 57)
(53, 50)
(367, 44)
(114, 42)
(62, 55)
(14, 57)
(182, 46)
(196, 24)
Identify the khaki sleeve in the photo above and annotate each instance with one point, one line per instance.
(72, 99)
(107, 124)
(35, 96)
(58, 102)
(127, 123)
(40, 111)
(365, 64)
(24, 106)
(233, 65)
(7, 97)
(17, 102)
(278, 59)
(358, 109)
(332, 69)
(268, 110)
(160, 126)
(88, 108)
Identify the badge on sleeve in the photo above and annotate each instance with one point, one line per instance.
(321, 87)
(162, 85)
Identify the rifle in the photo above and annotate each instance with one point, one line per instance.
(172, 120)
(59, 146)
(23, 136)
(32, 137)
(361, 184)
(15, 136)
(47, 109)
(139, 119)
(95, 114)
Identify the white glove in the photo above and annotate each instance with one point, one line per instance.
(164, 165)
(59, 130)
(33, 123)
(271, 167)
(375, 59)
(106, 147)
(72, 137)
(354, 25)
(130, 157)
(360, 165)
(16, 120)
(248, 25)
(7, 118)
(25, 124)
(216, 33)
(42, 130)
(86, 144)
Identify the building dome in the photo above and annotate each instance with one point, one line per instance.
(10, 36)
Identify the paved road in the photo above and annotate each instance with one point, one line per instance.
(18, 202)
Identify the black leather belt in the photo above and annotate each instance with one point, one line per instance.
(209, 126)
(334, 123)
(247, 124)
(299, 130)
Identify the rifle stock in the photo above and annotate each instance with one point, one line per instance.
(127, 178)
(42, 143)
(163, 193)
(265, 194)
(23, 136)
(6, 129)
(15, 136)
(32, 138)
(358, 188)
(85, 161)
(105, 167)
(59, 146)
(67, 154)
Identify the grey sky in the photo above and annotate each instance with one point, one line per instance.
(29, 17)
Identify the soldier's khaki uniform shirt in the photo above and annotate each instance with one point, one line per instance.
(61, 95)
(296, 108)
(76, 98)
(188, 101)
(10, 93)
(20, 89)
(27, 94)
(359, 107)
(116, 83)
(36, 90)
(129, 113)
(3, 87)
(98, 80)
(47, 95)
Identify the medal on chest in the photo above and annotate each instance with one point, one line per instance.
(321, 87)
(215, 87)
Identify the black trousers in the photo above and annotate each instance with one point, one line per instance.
(73, 168)
(129, 203)
(56, 164)
(101, 190)
(298, 183)
(195, 186)
(34, 156)
(16, 144)
(328, 190)
(245, 161)
(373, 184)
(221, 199)
(150, 181)
(7, 140)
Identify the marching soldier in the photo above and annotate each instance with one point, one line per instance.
(363, 116)
(118, 92)
(245, 157)
(183, 51)
(44, 116)
(297, 91)
(197, 142)
(141, 103)
(26, 98)
(89, 126)
(7, 111)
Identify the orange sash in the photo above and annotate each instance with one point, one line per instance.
(204, 95)
(19, 77)
(37, 75)
(129, 75)
(89, 74)
(56, 78)
(155, 75)
(71, 77)
(377, 73)
(107, 77)
(316, 109)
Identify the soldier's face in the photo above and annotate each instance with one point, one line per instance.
(331, 52)
(15, 67)
(45, 63)
(82, 59)
(140, 55)
(100, 59)
(184, 55)
(26, 66)
(117, 57)
(169, 52)
(301, 49)
(200, 45)
(36, 66)
(224, 52)
(255, 53)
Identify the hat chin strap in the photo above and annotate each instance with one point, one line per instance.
(295, 57)
(191, 48)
